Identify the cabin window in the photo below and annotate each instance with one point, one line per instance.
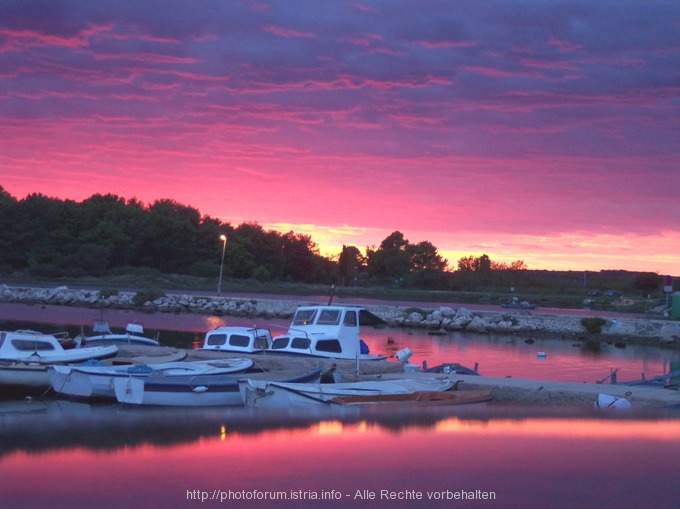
(350, 319)
(280, 342)
(329, 345)
(329, 317)
(239, 340)
(31, 345)
(300, 343)
(217, 339)
(304, 316)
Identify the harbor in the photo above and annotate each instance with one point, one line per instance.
(542, 407)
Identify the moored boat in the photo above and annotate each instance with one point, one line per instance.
(103, 335)
(25, 355)
(278, 395)
(37, 348)
(97, 381)
(197, 390)
(327, 331)
(237, 339)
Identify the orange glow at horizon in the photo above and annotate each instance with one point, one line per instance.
(545, 146)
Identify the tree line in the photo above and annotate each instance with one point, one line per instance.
(105, 234)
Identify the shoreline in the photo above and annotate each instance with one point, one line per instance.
(532, 394)
(661, 333)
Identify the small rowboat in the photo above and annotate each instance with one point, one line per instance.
(266, 394)
(420, 397)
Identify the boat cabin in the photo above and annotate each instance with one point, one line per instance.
(238, 339)
(26, 342)
(35, 347)
(327, 331)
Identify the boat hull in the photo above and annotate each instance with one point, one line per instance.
(19, 374)
(277, 395)
(98, 381)
(193, 391)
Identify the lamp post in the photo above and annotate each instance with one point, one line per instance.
(223, 238)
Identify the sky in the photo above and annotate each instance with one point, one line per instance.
(547, 132)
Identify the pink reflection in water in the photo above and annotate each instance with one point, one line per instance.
(559, 463)
(498, 355)
(570, 360)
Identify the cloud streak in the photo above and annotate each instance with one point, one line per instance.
(450, 123)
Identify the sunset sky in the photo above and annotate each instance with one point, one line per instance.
(547, 132)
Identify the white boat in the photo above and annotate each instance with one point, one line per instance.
(24, 378)
(92, 381)
(19, 377)
(279, 395)
(199, 390)
(103, 335)
(327, 331)
(237, 339)
(36, 348)
(25, 355)
(609, 402)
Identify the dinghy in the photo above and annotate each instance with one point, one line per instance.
(197, 390)
(97, 381)
(278, 395)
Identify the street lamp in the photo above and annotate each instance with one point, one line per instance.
(223, 238)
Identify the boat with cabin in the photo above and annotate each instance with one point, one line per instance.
(330, 331)
(33, 347)
(25, 355)
(237, 339)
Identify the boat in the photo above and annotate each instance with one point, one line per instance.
(103, 335)
(609, 402)
(452, 368)
(97, 381)
(666, 380)
(33, 347)
(237, 339)
(25, 355)
(198, 390)
(420, 398)
(330, 331)
(515, 303)
(278, 395)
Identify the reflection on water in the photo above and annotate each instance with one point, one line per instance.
(566, 359)
(74, 455)
(569, 360)
(62, 454)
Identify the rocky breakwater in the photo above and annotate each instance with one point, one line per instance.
(440, 320)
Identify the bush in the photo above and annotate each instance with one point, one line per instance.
(108, 292)
(261, 274)
(593, 325)
(204, 269)
(149, 295)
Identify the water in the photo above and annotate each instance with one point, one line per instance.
(570, 360)
(70, 455)
(63, 454)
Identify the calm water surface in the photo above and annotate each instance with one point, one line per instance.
(62, 454)
(73, 455)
